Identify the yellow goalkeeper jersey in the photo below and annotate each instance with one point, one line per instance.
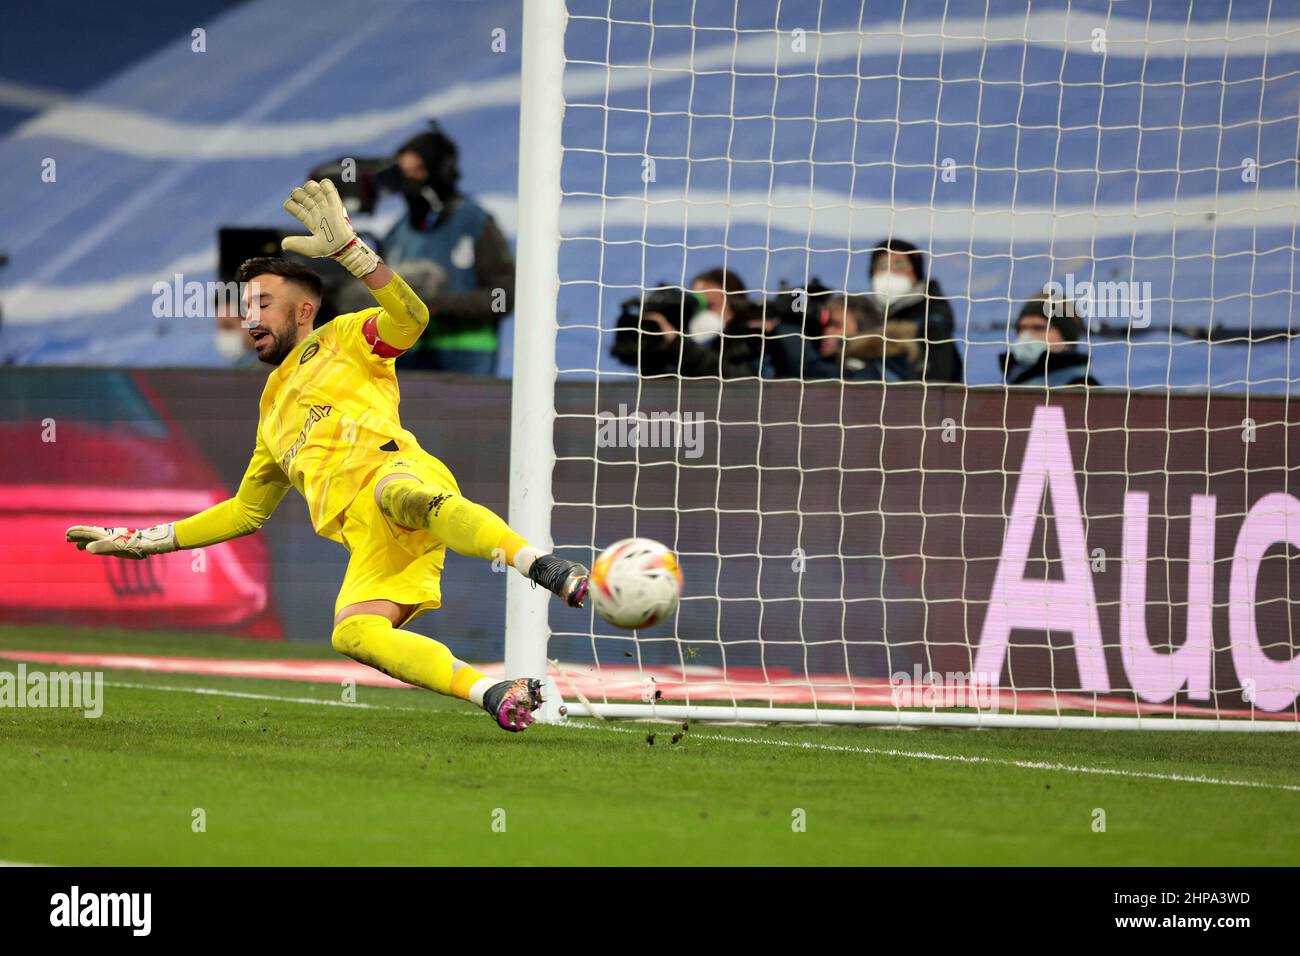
(327, 420)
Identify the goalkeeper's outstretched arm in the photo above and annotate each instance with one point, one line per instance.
(254, 503)
(261, 490)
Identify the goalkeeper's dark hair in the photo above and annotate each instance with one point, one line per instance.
(287, 269)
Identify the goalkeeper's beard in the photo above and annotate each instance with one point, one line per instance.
(274, 348)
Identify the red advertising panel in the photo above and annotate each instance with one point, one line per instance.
(98, 447)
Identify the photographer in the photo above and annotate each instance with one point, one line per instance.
(837, 336)
(455, 258)
(712, 329)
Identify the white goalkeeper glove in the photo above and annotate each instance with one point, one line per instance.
(123, 542)
(318, 207)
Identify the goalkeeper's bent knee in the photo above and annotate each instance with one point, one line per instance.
(462, 525)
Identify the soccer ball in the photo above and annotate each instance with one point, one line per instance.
(636, 583)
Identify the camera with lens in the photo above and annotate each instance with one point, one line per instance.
(798, 309)
(676, 305)
(646, 322)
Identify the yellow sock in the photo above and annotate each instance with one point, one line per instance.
(465, 527)
(409, 657)
(511, 544)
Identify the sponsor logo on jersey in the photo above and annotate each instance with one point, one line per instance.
(309, 353)
(316, 414)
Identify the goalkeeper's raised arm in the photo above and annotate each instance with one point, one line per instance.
(318, 207)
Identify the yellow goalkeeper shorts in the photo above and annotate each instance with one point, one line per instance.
(389, 562)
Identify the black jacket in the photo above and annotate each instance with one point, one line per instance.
(795, 355)
(939, 360)
(731, 355)
(1067, 368)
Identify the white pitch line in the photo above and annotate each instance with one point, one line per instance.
(994, 761)
(796, 745)
(215, 692)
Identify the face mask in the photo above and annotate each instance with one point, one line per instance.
(421, 200)
(231, 344)
(705, 326)
(1028, 349)
(891, 284)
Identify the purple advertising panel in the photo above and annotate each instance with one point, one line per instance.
(1102, 542)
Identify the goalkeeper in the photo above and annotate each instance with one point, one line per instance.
(329, 428)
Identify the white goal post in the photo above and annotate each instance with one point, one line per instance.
(532, 417)
(781, 272)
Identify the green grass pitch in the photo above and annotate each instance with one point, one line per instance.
(288, 775)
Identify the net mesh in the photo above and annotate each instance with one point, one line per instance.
(824, 430)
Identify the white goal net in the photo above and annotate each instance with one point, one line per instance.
(949, 345)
